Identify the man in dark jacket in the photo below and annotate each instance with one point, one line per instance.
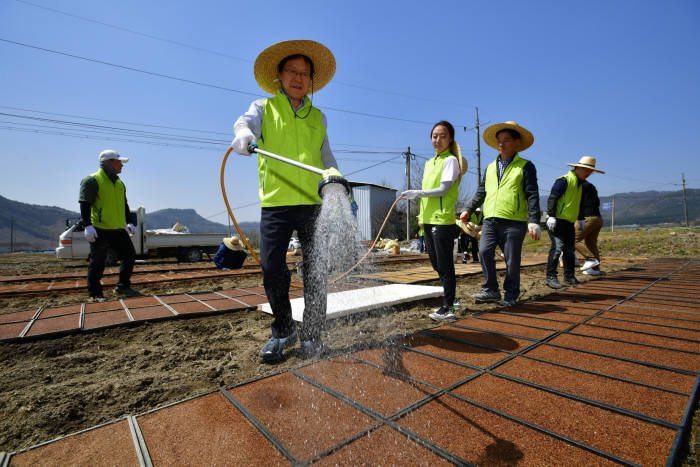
(564, 210)
(108, 223)
(511, 207)
(230, 254)
(587, 238)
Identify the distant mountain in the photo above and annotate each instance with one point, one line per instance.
(37, 227)
(33, 227)
(166, 218)
(652, 207)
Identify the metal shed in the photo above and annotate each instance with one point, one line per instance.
(373, 203)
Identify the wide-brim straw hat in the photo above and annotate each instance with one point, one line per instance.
(265, 67)
(587, 162)
(457, 152)
(467, 228)
(526, 138)
(232, 243)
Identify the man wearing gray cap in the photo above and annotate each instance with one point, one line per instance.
(108, 223)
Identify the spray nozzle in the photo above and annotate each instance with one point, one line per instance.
(333, 179)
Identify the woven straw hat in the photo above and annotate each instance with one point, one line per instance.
(526, 138)
(587, 162)
(265, 67)
(232, 243)
(468, 228)
(457, 152)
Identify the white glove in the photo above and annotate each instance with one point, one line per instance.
(582, 224)
(243, 138)
(411, 194)
(534, 230)
(90, 233)
(551, 223)
(131, 229)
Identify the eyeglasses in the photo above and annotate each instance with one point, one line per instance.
(298, 74)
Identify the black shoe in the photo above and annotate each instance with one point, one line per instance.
(486, 296)
(507, 302)
(571, 281)
(272, 351)
(553, 282)
(126, 292)
(311, 348)
(97, 298)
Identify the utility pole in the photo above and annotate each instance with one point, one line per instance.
(12, 235)
(408, 156)
(478, 150)
(685, 203)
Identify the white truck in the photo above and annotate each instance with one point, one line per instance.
(187, 247)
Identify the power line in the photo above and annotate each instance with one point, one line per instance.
(131, 31)
(113, 121)
(137, 70)
(214, 52)
(200, 83)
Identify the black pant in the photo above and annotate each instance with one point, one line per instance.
(474, 247)
(119, 241)
(439, 243)
(563, 240)
(276, 227)
(509, 235)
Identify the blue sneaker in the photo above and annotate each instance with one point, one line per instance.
(311, 348)
(272, 351)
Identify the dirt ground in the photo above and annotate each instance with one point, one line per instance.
(57, 386)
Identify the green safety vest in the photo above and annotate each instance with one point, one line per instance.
(108, 210)
(570, 202)
(295, 138)
(438, 210)
(506, 199)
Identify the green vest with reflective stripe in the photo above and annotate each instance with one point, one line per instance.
(108, 210)
(438, 210)
(570, 202)
(295, 138)
(506, 199)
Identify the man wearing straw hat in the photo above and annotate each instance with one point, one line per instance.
(587, 238)
(511, 208)
(289, 124)
(230, 254)
(564, 209)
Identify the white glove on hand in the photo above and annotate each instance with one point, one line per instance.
(534, 230)
(582, 224)
(243, 138)
(331, 172)
(131, 229)
(90, 233)
(411, 194)
(551, 223)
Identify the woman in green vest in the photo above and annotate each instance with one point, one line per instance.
(288, 124)
(438, 196)
(564, 209)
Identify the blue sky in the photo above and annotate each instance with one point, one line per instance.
(617, 80)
